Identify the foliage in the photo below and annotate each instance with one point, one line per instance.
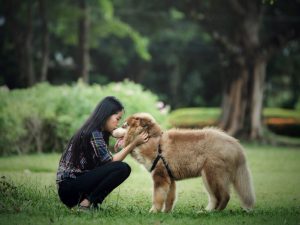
(281, 121)
(281, 113)
(151, 42)
(44, 117)
(194, 117)
(283, 82)
(28, 194)
(103, 23)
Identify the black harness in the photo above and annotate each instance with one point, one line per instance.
(158, 157)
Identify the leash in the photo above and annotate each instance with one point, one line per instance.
(158, 157)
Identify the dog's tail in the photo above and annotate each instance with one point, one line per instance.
(244, 186)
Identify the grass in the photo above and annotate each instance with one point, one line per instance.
(28, 194)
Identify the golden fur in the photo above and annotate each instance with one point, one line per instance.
(208, 152)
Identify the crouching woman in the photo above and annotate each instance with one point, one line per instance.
(87, 171)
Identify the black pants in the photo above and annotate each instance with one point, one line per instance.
(93, 185)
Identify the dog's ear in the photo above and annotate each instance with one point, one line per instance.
(145, 122)
(131, 120)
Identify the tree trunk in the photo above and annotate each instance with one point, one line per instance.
(174, 85)
(45, 40)
(15, 30)
(259, 74)
(235, 100)
(28, 49)
(83, 46)
(243, 99)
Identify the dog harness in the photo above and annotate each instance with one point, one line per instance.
(158, 157)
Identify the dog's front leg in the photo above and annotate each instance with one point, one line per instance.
(160, 192)
(159, 198)
(171, 197)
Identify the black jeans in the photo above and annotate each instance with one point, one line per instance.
(93, 185)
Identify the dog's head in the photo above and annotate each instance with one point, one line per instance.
(133, 126)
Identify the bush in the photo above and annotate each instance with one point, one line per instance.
(44, 117)
(283, 121)
(194, 117)
(280, 121)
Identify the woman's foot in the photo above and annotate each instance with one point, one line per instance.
(84, 206)
(81, 208)
(85, 203)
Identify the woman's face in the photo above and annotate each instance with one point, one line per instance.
(113, 121)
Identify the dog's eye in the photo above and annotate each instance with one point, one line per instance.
(125, 125)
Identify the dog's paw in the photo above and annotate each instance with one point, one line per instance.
(167, 210)
(209, 208)
(153, 210)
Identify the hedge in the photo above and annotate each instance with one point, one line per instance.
(43, 118)
(280, 121)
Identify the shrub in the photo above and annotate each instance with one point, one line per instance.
(280, 121)
(283, 121)
(194, 117)
(44, 117)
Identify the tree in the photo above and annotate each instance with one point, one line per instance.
(30, 55)
(181, 67)
(242, 31)
(95, 21)
(19, 27)
(45, 39)
(74, 30)
(283, 81)
(83, 41)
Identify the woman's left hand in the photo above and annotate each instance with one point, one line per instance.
(141, 138)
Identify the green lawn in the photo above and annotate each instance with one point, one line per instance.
(28, 194)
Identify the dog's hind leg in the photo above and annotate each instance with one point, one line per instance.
(216, 182)
(212, 200)
(171, 197)
(223, 189)
(224, 199)
(160, 191)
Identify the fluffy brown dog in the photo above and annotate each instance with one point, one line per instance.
(179, 154)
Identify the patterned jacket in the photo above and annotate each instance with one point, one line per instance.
(100, 155)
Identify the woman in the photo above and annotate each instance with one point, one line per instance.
(87, 171)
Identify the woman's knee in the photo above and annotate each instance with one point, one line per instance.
(128, 168)
(123, 167)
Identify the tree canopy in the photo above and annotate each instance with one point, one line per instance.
(241, 55)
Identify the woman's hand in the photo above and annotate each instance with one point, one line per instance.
(141, 138)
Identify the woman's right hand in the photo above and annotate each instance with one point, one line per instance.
(141, 138)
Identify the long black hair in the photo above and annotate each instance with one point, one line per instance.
(81, 139)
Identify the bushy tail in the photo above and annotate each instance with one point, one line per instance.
(244, 186)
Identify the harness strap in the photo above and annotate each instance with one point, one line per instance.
(158, 157)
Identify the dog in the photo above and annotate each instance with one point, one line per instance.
(179, 154)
